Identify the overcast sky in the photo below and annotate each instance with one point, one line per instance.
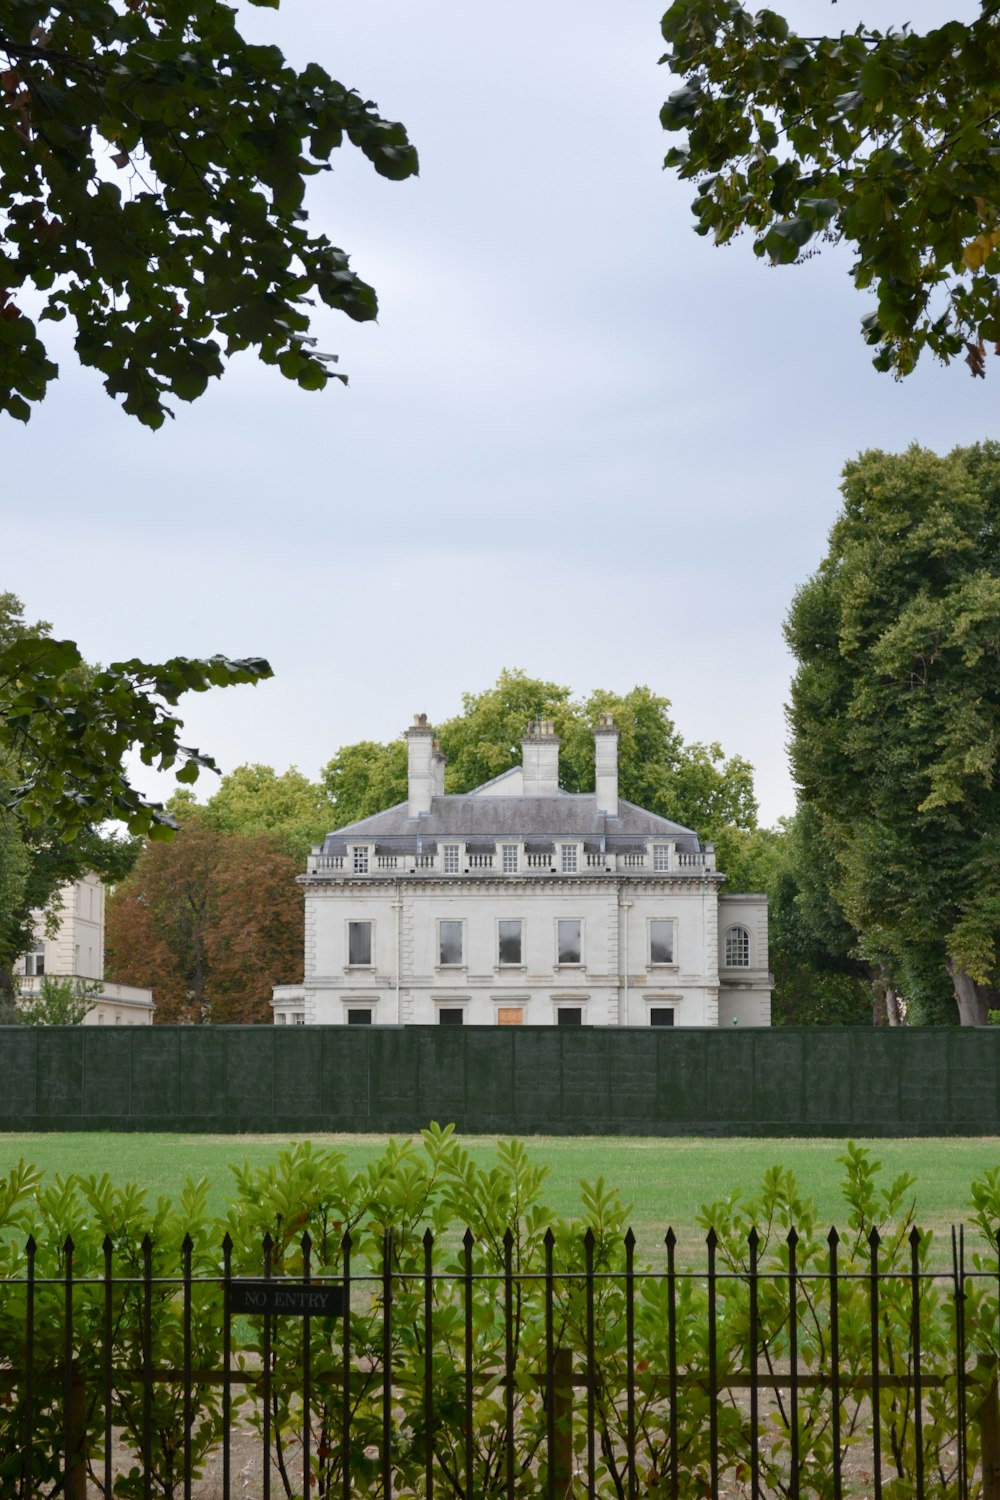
(579, 440)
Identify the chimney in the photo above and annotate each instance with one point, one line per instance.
(606, 737)
(540, 759)
(420, 765)
(438, 763)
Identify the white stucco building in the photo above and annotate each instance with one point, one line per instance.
(75, 950)
(521, 904)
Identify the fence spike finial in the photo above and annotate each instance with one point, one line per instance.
(833, 1238)
(792, 1238)
(670, 1239)
(753, 1238)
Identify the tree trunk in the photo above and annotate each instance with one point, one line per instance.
(892, 1011)
(969, 998)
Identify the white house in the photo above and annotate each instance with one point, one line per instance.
(521, 904)
(75, 950)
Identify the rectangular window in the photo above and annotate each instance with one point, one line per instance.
(359, 943)
(450, 937)
(451, 859)
(661, 1015)
(661, 857)
(34, 962)
(569, 853)
(570, 945)
(359, 1017)
(569, 1015)
(450, 1017)
(510, 859)
(510, 1015)
(361, 861)
(661, 942)
(279, 1019)
(297, 1018)
(510, 942)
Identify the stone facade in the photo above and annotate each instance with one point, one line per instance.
(75, 950)
(520, 904)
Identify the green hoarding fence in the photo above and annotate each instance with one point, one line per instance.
(508, 1080)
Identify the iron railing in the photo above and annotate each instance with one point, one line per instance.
(482, 1369)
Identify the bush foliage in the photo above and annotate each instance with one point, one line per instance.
(510, 1287)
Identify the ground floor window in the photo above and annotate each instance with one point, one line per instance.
(450, 1016)
(569, 1015)
(360, 1016)
(510, 1015)
(661, 1015)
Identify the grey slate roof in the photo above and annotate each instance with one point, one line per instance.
(466, 817)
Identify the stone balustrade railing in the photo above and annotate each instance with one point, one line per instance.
(656, 859)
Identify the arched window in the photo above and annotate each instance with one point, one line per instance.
(737, 948)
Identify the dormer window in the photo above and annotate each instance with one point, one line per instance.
(569, 853)
(661, 858)
(361, 859)
(452, 859)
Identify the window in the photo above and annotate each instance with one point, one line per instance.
(359, 1017)
(661, 942)
(451, 859)
(661, 857)
(510, 942)
(737, 948)
(450, 943)
(297, 1018)
(570, 944)
(510, 1015)
(359, 944)
(34, 962)
(661, 1015)
(569, 854)
(279, 1019)
(509, 857)
(448, 1017)
(569, 1015)
(361, 861)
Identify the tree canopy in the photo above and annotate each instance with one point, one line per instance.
(210, 922)
(896, 715)
(153, 165)
(65, 727)
(886, 140)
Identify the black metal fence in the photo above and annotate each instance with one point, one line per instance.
(780, 1366)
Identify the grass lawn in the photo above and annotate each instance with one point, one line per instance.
(666, 1180)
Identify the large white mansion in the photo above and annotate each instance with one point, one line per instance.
(521, 904)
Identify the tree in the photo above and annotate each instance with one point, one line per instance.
(289, 808)
(153, 165)
(59, 1001)
(65, 727)
(886, 140)
(209, 921)
(37, 859)
(364, 778)
(896, 713)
